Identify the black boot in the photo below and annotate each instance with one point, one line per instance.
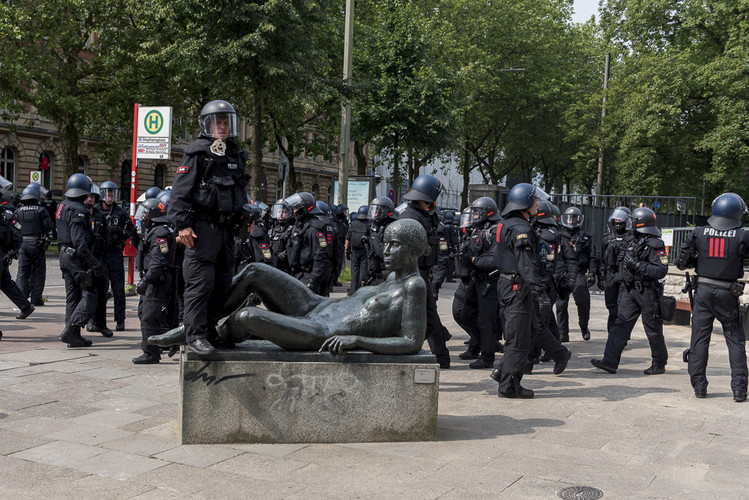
(71, 335)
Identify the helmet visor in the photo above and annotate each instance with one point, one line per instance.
(539, 194)
(477, 215)
(465, 219)
(619, 215)
(141, 213)
(218, 125)
(280, 212)
(377, 212)
(294, 201)
(572, 220)
(110, 195)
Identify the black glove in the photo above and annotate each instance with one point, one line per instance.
(601, 283)
(97, 268)
(348, 253)
(7, 261)
(571, 284)
(591, 280)
(630, 262)
(141, 287)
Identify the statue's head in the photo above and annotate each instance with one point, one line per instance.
(412, 238)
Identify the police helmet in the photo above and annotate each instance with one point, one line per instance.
(483, 209)
(362, 213)
(251, 212)
(572, 218)
(96, 192)
(152, 192)
(110, 192)
(522, 196)
(164, 196)
(556, 211)
(78, 186)
(150, 212)
(643, 221)
(465, 219)
(301, 203)
(727, 210)
(545, 213)
(322, 208)
(380, 208)
(424, 188)
(448, 218)
(218, 120)
(619, 219)
(342, 211)
(5, 199)
(280, 211)
(32, 192)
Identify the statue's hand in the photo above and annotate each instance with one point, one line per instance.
(338, 344)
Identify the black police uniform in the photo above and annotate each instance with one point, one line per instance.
(445, 266)
(613, 247)
(374, 244)
(437, 334)
(357, 231)
(481, 301)
(464, 316)
(341, 229)
(280, 237)
(119, 228)
(718, 257)
(311, 252)
(207, 195)
(99, 249)
(156, 264)
(582, 242)
(36, 226)
(79, 266)
(254, 247)
(640, 294)
(516, 258)
(10, 242)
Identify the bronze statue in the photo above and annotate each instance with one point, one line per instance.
(389, 318)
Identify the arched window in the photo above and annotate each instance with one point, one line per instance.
(125, 181)
(82, 165)
(8, 164)
(45, 165)
(158, 176)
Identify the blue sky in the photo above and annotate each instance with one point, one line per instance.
(584, 9)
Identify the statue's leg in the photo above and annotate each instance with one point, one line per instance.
(289, 332)
(278, 291)
(175, 336)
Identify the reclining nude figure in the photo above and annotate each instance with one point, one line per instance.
(389, 318)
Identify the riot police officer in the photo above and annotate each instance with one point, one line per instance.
(381, 213)
(331, 229)
(310, 254)
(10, 243)
(645, 262)
(718, 252)
(280, 234)
(613, 248)
(421, 206)
(582, 242)
(464, 316)
(98, 323)
(205, 202)
(119, 229)
(155, 263)
(481, 293)
(78, 264)
(252, 243)
(36, 226)
(520, 289)
(355, 250)
(445, 266)
(340, 221)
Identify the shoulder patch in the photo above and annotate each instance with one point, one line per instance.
(163, 245)
(183, 169)
(522, 236)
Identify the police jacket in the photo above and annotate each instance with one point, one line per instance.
(208, 186)
(156, 256)
(357, 230)
(10, 233)
(613, 247)
(462, 268)
(34, 219)
(310, 253)
(280, 238)
(556, 256)
(582, 242)
(75, 235)
(99, 227)
(255, 247)
(652, 261)
(430, 222)
(119, 227)
(483, 241)
(516, 251)
(714, 253)
(375, 246)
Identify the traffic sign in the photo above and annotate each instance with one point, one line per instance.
(35, 176)
(283, 167)
(154, 139)
(391, 195)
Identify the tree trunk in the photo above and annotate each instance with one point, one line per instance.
(361, 158)
(466, 178)
(256, 162)
(69, 142)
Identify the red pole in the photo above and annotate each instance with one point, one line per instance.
(129, 249)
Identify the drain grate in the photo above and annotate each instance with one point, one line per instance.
(580, 492)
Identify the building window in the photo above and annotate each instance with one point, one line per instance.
(45, 166)
(125, 181)
(158, 176)
(8, 164)
(82, 165)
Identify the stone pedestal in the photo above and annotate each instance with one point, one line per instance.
(260, 393)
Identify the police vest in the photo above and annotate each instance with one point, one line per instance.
(357, 230)
(719, 253)
(30, 218)
(510, 231)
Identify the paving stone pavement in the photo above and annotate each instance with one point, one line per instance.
(87, 423)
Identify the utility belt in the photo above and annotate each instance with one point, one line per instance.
(33, 237)
(485, 276)
(214, 218)
(736, 288)
(512, 277)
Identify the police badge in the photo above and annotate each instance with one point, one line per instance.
(218, 147)
(163, 245)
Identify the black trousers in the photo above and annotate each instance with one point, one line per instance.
(116, 275)
(80, 302)
(32, 270)
(207, 270)
(153, 313)
(518, 331)
(437, 334)
(547, 338)
(465, 313)
(482, 304)
(11, 290)
(358, 268)
(712, 303)
(611, 297)
(632, 304)
(582, 301)
(442, 270)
